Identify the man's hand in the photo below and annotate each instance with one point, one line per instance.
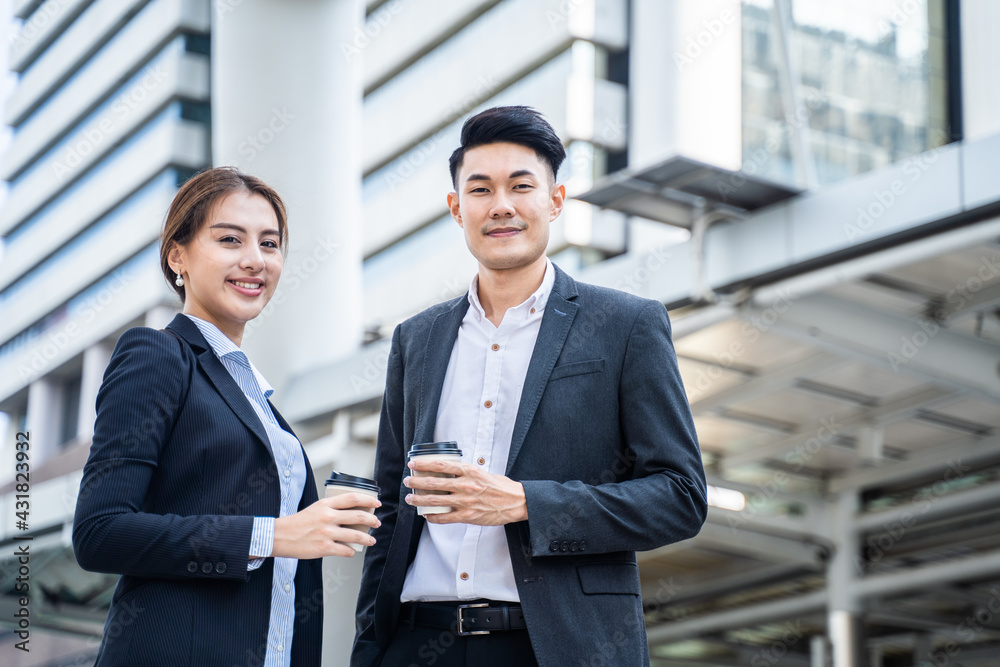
(475, 496)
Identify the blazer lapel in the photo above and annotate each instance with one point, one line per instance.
(559, 314)
(220, 377)
(440, 343)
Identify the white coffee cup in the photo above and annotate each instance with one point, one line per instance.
(434, 451)
(340, 483)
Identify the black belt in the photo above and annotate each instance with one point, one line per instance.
(464, 618)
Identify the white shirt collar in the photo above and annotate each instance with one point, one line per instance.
(534, 303)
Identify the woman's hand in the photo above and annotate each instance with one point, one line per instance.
(319, 530)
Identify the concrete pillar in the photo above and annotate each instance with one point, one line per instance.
(980, 23)
(818, 654)
(685, 72)
(95, 360)
(44, 418)
(286, 106)
(843, 623)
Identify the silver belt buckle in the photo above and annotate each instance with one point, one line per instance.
(461, 608)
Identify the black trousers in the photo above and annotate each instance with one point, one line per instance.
(427, 647)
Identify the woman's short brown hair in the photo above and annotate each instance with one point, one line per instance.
(192, 203)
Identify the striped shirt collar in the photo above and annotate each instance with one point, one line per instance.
(223, 346)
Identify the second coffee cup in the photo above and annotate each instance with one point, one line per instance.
(434, 451)
(339, 483)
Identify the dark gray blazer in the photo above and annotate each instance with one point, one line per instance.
(179, 468)
(604, 445)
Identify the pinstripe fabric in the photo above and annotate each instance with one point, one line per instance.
(179, 467)
(291, 476)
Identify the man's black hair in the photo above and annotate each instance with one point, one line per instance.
(515, 125)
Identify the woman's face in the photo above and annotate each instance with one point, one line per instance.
(232, 265)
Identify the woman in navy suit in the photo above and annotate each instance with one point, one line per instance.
(196, 491)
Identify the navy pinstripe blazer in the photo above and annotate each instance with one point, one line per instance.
(179, 467)
(605, 446)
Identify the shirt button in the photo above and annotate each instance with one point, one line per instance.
(280, 647)
(532, 311)
(488, 404)
(481, 461)
(288, 587)
(495, 347)
(465, 576)
(287, 472)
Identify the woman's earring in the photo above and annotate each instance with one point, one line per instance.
(179, 281)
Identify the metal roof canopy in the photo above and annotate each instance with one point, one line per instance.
(678, 190)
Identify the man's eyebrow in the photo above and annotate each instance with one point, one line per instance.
(478, 177)
(521, 172)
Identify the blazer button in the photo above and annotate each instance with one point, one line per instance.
(206, 568)
(552, 547)
(572, 546)
(220, 568)
(192, 566)
(564, 546)
(583, 545)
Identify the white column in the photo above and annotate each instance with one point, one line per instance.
(95, 360)
(286, 106)
(980, 23)
(685, 73)
(843, 624)
(44, 420)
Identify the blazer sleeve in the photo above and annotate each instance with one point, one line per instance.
(389, 465)
(663, 499)
(144, 389)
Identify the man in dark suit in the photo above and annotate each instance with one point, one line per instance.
(577, 439)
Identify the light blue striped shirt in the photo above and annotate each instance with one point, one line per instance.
(289, 459)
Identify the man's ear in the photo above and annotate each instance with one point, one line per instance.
(456, 210)
(558, 200)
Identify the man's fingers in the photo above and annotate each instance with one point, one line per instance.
(449, 467)
(349, 500)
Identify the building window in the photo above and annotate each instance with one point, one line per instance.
(870, 80)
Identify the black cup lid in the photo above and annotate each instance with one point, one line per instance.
(450, 447)
(343, 479)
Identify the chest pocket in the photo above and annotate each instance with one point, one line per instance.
(577, 368)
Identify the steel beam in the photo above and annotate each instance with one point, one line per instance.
(917, 347)
(920, 578)
(766, 383)
(931, 507)
(890, 412)
(742, 617)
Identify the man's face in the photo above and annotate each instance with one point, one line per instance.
(505, 200)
